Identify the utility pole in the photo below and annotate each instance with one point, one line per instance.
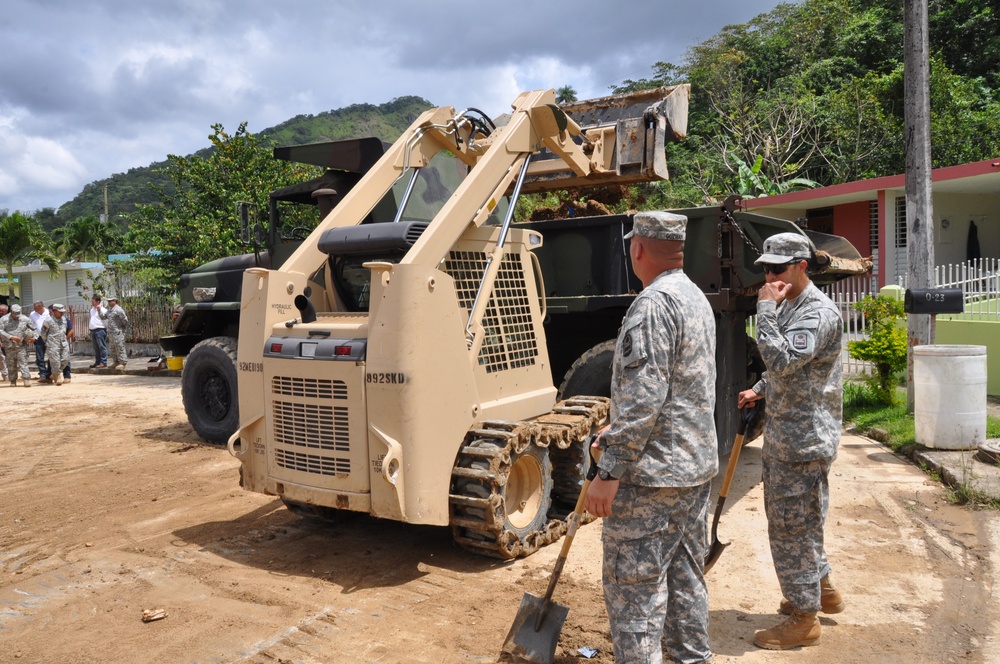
(919, 205)
(107, 212)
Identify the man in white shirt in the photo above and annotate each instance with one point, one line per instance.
(98, 333)
(38, 317)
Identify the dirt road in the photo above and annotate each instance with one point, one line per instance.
(109, 505)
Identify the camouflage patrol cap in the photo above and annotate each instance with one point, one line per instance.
(15, 308)
(659, 225)
(112, 298)
(785, 248)
(58, 307)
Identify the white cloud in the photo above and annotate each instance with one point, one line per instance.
(104, 86)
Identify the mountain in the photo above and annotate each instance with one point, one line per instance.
(126, 190)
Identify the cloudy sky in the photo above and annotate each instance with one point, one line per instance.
(88, 89)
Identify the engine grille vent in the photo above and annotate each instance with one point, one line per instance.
(312, 388)
(510, 340)
(312, 463)
(309, 425)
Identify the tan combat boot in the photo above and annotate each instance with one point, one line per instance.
(830, 599)
(59, 379)
(26, 382)
(799, 629)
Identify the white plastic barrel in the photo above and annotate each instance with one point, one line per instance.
(949, 396)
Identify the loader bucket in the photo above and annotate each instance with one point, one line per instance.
(626, 135)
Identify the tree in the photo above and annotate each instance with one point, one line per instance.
(87, 238)
(565, 95)
(885, 346)
(196, 222)
(22, 239)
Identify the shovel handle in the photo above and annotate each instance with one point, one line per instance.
(734, 456)
(574, 523)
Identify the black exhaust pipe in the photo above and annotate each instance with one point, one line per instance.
(306, 308)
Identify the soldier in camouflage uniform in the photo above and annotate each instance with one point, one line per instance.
(16, 332)
(654, 479)
(53, 333)
(117, 322)
(3, 355)
(799, 332)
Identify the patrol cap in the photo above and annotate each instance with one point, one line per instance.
(15, 308)
(785, 248)
(112, 298)
(658, 225)
(58, 307)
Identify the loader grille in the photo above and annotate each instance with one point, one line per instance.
(510, 340)
(312, 463)
(308, 425)
(309, 387)
(306, 433)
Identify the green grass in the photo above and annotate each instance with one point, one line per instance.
(894, 427)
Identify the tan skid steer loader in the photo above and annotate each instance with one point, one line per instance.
(401, 368)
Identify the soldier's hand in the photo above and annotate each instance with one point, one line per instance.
(16, 340)
(774, 291)
(600, 496)
(747, 397)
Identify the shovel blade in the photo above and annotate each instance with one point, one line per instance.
(523, 641)
(714, 554)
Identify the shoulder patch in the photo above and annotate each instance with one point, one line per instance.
(800, 341)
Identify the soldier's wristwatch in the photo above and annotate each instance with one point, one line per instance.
(605, 475)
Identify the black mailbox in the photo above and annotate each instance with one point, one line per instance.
(933, 301)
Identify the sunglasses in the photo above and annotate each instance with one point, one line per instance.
(776, 269)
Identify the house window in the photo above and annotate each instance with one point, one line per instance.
(873, 225)
(900, 237)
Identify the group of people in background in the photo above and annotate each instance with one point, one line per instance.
(49, 332)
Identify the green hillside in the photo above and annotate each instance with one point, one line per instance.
(126, 190)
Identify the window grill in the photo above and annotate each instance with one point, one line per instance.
(509, 332)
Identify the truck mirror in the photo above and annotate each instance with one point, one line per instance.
(244, 213)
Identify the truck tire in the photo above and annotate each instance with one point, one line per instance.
(590, 375)
(209, 389)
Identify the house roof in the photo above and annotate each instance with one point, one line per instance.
(980, 177)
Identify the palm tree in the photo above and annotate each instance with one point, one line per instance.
(22, 239)
(86, 238)
(565, 95)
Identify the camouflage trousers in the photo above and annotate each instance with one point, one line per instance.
(17, 360)
(796, 500)
(3, 364)
(655, 542)
(57, 354)
(116, 348)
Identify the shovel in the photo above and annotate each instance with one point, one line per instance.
(718, 547)
(539, 620)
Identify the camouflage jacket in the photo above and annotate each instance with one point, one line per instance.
(54, 329)
(662, 431)
(800, 343)
(21, 327)
(117, 320)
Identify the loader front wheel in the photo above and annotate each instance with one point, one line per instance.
(527, 494)
(208, 389)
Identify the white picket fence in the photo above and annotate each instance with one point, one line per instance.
(979, 281)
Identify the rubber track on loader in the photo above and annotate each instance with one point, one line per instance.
(478, 514)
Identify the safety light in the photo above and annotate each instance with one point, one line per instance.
(275, 348)
(342, 350)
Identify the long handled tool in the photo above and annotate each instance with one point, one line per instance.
(718, 547)
(535, 633)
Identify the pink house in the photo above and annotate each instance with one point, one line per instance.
(872, 215)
